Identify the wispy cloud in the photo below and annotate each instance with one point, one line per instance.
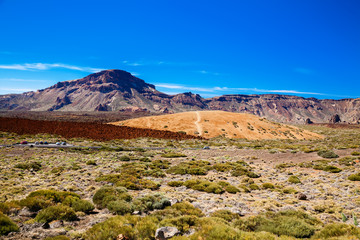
(47, 66)
(208, 73)
(16, 90)
(183, 88)
(223, 90)
(305, 71)
(22, 80)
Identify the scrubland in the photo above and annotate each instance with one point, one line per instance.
(237, 189)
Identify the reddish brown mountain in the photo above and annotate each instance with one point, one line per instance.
(117, 90)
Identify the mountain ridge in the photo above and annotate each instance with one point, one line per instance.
(118, 90)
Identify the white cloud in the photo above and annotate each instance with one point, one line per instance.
(183, 88)
(222, 90)
(23, 80)
(46, 66)
(208, 73)
(16, 90)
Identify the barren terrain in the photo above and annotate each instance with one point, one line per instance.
(209, 124)
(237, 189)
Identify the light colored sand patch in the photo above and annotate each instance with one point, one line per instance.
(197, 123)
(211, 124)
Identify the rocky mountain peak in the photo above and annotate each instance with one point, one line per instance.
(107, 81)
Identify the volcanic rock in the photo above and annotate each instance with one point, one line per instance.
(335, 119)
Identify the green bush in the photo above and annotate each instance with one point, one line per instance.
(354, 177)
(57, 212)
(120, 207)
(131, 227)
(151, 202)
(6, 225)
(214, 229)
(232, 189)
(294, 179)
(91, 162)
(204, 186)
(35, 166)
(253, 186)
(82, 206)
(106, 194)
(191, 167)
(182, 223)
(226, 215)
(59, 237)
(124, 158)
(327, 154)
(290, 223)
(337, 230)
(347, 161)
(332, 169)
(355, 153)
(41, 199)
(268, 186)
(175, 183)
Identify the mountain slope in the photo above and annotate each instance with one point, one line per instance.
(211, 124)
(117, 90)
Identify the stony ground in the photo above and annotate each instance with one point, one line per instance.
(327, 194)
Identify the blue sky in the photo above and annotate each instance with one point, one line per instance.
(302, 47)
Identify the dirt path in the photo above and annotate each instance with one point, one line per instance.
(197, 123)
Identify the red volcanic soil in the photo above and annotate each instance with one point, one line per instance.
(96, 131)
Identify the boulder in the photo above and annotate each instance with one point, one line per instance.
(165, 233)
(301, 196)
(308, 121)
(335, 119)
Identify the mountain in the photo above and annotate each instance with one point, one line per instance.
(117, 90)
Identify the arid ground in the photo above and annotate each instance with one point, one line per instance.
(129, 188)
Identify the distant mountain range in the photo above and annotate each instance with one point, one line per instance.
(117, 90)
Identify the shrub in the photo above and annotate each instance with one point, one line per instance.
(354, 177)
(232, 189)
(107, 194)
(355, 153)
(191, 167)
(59, 237)
(225, 214)
(253, 186)
(57, 212)
(327, 154)
(151, 202)
(183, 223)
(214, 229)
(91, 162)
(35, 166)
(131, 227)
(337, 230)
(6, 225)
(124, 158)
(332, 169)
(268, 186)
(291, 223)
(120, 207)
(204, 186)
(82, 206)
(294, 179)
(53, 195)
(347, 161)
(175, 183)
(41, 199)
